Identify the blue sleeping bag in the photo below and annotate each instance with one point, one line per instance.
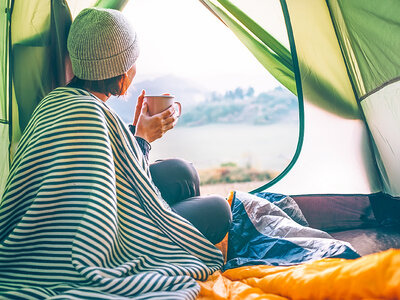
(263, 233)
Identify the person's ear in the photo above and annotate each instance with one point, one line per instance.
(124, 83)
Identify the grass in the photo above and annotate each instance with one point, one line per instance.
(231, 173)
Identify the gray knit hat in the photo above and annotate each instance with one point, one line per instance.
(101, 44)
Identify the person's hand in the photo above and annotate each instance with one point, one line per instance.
(138, 108)
(153, 127)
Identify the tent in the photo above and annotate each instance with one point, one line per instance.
(343, 60)
(343, 64)
(337, 63)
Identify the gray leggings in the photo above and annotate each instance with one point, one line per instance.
(179, 184)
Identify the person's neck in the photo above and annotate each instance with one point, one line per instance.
(101, 96)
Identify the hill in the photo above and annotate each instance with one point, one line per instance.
(244, 106)
(201, 107)
(186, 92)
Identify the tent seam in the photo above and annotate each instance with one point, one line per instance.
(377, 89)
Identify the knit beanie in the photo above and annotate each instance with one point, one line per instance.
(101, 44)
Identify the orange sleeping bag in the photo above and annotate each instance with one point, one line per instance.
(375, 276)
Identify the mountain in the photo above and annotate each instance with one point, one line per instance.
(183, 89)
(244, 106)
(202, 107)
(187, 92)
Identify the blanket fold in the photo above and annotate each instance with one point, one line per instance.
(80, 216)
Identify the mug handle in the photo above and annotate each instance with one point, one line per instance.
(178, 104)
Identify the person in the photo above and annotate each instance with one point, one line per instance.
(176, 179)
(81, 213)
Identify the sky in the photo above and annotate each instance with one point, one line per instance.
(181, 37)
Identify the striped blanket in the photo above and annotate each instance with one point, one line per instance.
(81, 218)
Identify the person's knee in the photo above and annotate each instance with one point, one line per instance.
(221, 205)
(176, 178)
(225, 214)
(211, 215)
(178, 167)
(219, 217)
(185, 168)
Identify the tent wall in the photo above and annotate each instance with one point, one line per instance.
(76, 6)
(382, 111)
(4, 164)
(322, 68)
(340, 139)
(369, 34)
(37, 55)
(336, 156)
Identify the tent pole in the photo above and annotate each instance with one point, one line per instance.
(10, 4)
(300, 99)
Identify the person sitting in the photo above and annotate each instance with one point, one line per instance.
(83, 214)
(176, 179)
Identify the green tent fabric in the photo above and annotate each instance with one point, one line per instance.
(272, 55)
(76, 6)
(326, 57)
(269, 52)
(369, 35)
(38, 58)
(371, 52)
(321, 69)
(350, 56)
(325, 89)
(347, 62)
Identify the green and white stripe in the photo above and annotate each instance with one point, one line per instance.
(81, 218)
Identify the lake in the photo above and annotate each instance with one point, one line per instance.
(266, 147)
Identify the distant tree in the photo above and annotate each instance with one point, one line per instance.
(264, 108)
(250, 92)
(229, 95)
(215, 97)
(239, 93)
(264, 97)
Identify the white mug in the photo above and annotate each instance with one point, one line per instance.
(157, 104)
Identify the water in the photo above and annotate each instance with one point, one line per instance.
(266, 147)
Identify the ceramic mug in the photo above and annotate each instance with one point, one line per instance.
(157, 104)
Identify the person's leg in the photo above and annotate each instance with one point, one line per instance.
(211, 215)
(179, 184)
(177, 179)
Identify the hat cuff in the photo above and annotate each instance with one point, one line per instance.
(106, 68)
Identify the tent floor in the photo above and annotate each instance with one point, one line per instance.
(371, 223)
(370, 240)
